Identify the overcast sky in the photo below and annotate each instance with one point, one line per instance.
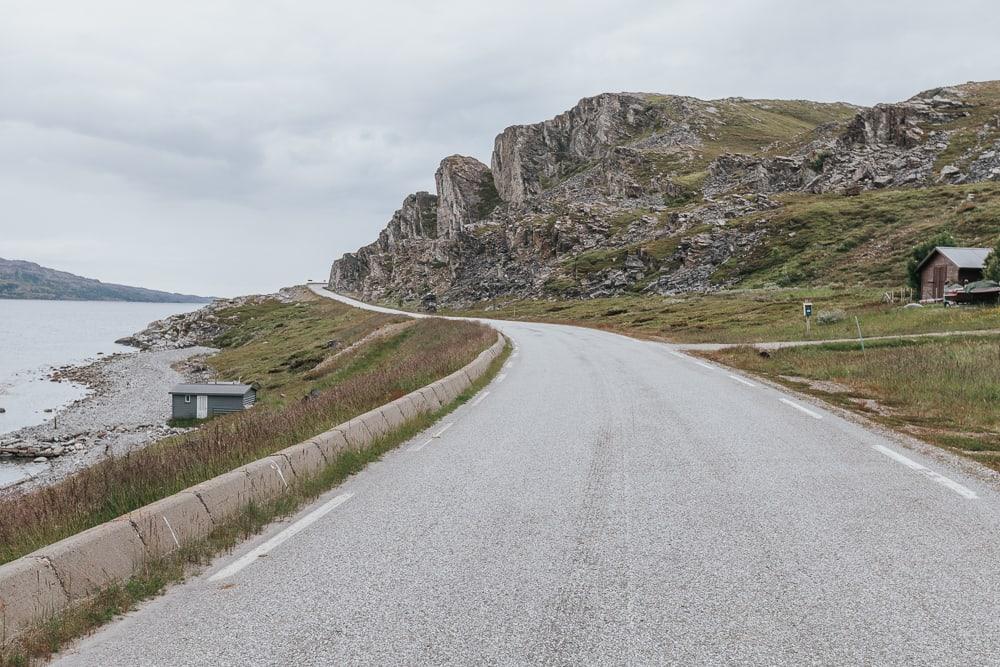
(228, 147)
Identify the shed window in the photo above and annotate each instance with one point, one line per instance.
(187, 398)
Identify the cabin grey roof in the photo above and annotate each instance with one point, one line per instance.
(213, 389)
(963, 258)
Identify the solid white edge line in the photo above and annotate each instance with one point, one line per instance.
(814, 415)
(283, 536)
(481, 398)
(742, 381)
(961, 490)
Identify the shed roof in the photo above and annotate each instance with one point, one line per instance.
(213, 389)
(963, 258)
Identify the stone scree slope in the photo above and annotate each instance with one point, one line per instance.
(37, 586)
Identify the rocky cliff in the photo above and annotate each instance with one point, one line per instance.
(637, 192)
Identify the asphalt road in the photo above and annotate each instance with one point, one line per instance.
(608, 501)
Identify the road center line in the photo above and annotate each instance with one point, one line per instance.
(814, 415)
(742, 381)
(480, 399)
(281, 537)
(961, 490)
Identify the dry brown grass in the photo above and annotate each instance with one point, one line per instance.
(365, 379)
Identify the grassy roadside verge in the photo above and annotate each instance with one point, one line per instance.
(944, 391)
(746, 316)
(276, 345)
(48, 638)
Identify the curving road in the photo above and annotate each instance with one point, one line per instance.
(607, 501)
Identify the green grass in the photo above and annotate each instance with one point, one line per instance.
(367, 377)
(942, 390)
(55, 633)
(747, 316)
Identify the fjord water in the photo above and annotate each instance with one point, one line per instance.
(37, 336)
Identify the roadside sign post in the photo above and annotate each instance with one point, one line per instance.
(807, 312)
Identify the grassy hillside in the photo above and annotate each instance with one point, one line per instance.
(861, 240)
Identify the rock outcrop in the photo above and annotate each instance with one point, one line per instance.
(465, 194)
(644, 193)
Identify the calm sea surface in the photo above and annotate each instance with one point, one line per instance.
(37, 336)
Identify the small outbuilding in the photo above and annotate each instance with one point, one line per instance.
(200, 401)
(950, 266)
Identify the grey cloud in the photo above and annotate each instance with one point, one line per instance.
(176, 145)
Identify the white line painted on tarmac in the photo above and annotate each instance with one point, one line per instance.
(963, 491)
(480, 399)
(446, 427)
(704, 365)
(814, 415)
(417, 448)
(501, 377)
(283, 536)
(742, 381)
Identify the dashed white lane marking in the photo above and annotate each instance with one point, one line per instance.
(742, 381)
(678, 354)
(814, 415)
(445, 428)
(704, 365)
(283, 536)
(963, 491)
(417, 448)
(480, 399)
(501, 377)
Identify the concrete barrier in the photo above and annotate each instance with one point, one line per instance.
(269, 477)
(375, 422)
(87, 561)
(356, 433)
(305, 458)
(331, 443)
(39, 585)
(225, 495)
(167, 524)
(29, 592)
(430, 400)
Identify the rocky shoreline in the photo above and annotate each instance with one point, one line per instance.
(126, 408)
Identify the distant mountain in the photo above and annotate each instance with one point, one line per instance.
(27, 280)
